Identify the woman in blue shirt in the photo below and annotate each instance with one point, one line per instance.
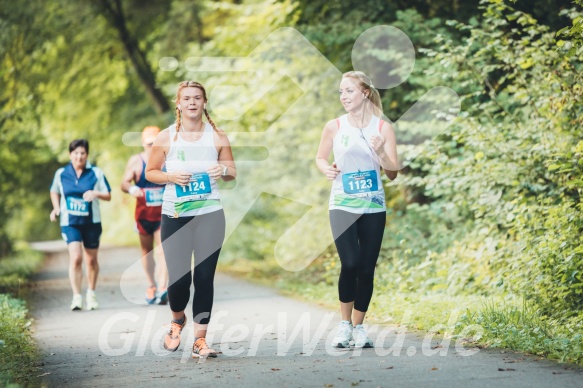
(75, 194)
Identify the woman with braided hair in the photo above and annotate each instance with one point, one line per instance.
(196, 154)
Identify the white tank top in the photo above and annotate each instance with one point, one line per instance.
(201, 195)
(358, 188)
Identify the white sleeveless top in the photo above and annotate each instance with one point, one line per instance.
(358, 188)
(201, 195)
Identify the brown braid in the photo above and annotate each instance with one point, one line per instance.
(211, 122)
(177, 123)
(191, 84)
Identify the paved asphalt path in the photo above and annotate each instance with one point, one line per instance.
(266, 340)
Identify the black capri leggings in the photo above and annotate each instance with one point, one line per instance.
(358, 239)
(181, 237)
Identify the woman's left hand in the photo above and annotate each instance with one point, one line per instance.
(89, 195)
(215, 171)
(377, 144)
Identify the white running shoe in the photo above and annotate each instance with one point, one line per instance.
(361, 340)
(344, 335)
(77, 302)
(92, 301)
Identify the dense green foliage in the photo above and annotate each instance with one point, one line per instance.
(16, 269)
(18, 354)
(511, 167)
(17, 349)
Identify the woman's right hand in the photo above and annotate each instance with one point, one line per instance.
(332, 172)
(54, 214)
(179, 177)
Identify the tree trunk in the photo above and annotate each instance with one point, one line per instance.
(113, 12)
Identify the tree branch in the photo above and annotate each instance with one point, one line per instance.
(113, 12)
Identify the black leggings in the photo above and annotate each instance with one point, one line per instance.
(182, 236)
(358, 239)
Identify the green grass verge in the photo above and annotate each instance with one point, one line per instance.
(506, 322)
(523, 328)
(18, 352)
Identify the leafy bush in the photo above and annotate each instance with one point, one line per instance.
(16, 269)
(511, 167)
(17, 348)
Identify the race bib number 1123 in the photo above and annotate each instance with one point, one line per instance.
(360, 182)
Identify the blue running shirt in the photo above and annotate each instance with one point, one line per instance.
(75, 210)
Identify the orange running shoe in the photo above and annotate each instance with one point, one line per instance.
(201, 350)
(172, 338)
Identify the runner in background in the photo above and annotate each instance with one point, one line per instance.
(75, 194)
(148, 215)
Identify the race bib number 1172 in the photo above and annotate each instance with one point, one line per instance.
(77, 206)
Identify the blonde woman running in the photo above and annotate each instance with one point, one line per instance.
(362, 144)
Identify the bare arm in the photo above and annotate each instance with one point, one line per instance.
(100, 191)
(104, 196)
(56, 201)
(385, 147)
(129, 176)
(90, 195)
(156, 160)
(225, 159)
(324, 149)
